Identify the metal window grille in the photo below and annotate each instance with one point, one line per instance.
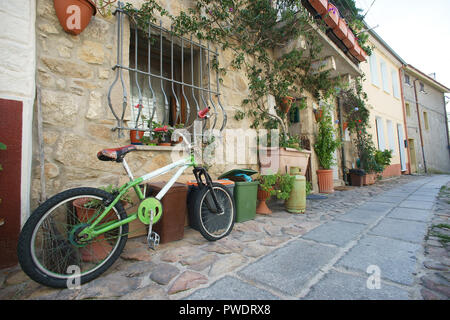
(159, 94)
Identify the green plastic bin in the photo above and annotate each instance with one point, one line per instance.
(245, 194)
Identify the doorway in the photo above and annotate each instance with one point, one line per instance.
(412, 153)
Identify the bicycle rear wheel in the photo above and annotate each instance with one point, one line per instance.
(49, 249)
(212, 225)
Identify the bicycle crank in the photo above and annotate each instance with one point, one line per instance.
(146, 207)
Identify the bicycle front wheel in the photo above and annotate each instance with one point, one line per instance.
(50, 250)
(214, 225)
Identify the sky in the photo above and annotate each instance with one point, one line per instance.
(417, 30)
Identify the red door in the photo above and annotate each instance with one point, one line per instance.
(10, 179)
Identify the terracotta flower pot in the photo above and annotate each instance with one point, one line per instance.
(325, 180)
(341, 30)
(356, 50)
(136, 136)
(74, 15)
(99, 249)
(321, 6)
(331, 17)
(262, 206)
(318, 114)
(350, 40)
(286, 104)
(362, 56)
(369, 179)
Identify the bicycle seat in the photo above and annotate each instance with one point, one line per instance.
(116, 154)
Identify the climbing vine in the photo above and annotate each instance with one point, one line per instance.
(252, 29)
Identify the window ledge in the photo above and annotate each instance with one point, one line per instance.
(156, 148)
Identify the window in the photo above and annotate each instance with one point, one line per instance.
(422, 87)
(391, 139)
(168, 79)
(380, 134)
(407, 80)
(425, 120)
(384, 76)
(395, 86)
(374, 70)
(408, 109)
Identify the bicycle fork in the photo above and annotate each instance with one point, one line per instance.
(215, 205)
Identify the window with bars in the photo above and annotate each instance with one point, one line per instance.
(171, 79)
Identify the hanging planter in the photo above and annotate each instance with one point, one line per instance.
(321, 6)
(74, 15)
(286, 103)
(356, 50)
(331, 17)
(341, 30)
(349, 41)
(318, 114)
(362, 56)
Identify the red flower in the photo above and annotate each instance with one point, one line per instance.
(360, 121)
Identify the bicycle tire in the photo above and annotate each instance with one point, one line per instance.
(202, 215)
(26, 251)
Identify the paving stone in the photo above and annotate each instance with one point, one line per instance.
(341, 286)
(230, 288)
(396, 259)
(406, 230)
(288, 268)
(163, 273)
(415, 197)
(110, 286)
(187, 280)
(274, 241)
(335, 232)
(227, 264)
(389, 198)
(151, 292)
(361, 216)
(436, 283)
(200, 262)
(433, 265)
(176, 254)
(411, 214)
(255, 250)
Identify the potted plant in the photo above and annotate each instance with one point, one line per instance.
(357, 177)
(325, 146)
(136, 136)
(163, 138)
(265, 190)
(341, 30)
(286, 104)
(74, 15)
(331, 17)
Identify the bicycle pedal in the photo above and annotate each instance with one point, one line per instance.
(153, 240)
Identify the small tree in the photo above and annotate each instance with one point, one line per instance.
(326, 141)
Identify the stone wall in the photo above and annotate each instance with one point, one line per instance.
(74, 74)
(435, 141)
(17, 76)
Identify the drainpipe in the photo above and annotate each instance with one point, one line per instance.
(402, 93)
(420, 126)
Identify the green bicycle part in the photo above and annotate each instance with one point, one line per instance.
(145, 209)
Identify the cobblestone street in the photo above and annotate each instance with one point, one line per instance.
(323, 254)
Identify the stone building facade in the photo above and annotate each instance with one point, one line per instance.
(72, 76)
(426, 117)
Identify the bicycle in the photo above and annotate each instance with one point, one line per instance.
(88, 227)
